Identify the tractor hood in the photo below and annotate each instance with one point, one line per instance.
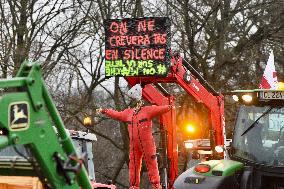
(219, 175)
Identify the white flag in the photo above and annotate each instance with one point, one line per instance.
(269, 78)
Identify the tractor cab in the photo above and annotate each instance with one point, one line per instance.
(259, 129)
(258, 140)
(259, 135)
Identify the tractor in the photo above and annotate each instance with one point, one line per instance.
(256, 154)
(34, 142)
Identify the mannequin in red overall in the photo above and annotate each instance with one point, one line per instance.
(142, 143)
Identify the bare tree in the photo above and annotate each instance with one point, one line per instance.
(227, 41)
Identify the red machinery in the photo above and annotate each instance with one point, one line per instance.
(193, 83)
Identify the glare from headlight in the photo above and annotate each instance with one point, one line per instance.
(190, 128)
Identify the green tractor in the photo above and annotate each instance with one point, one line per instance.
(257, 150)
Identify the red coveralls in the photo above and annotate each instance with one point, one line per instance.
(141, 141)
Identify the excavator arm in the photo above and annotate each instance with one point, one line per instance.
(192, 82)
(27, 117)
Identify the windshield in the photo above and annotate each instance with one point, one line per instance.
(264, 143)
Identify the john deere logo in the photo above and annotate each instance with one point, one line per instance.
(19, 115)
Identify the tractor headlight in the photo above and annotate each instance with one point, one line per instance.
(247, 98)
(219, 149)
(190, 128)
(188, 145)
(235, 98)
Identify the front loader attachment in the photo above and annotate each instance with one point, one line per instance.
(27, 117)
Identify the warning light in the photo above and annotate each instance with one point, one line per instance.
(202, 168)
(280, 86)
(87, 121)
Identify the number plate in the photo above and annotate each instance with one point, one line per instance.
(267, 95)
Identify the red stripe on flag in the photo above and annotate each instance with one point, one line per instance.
(264, 83)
